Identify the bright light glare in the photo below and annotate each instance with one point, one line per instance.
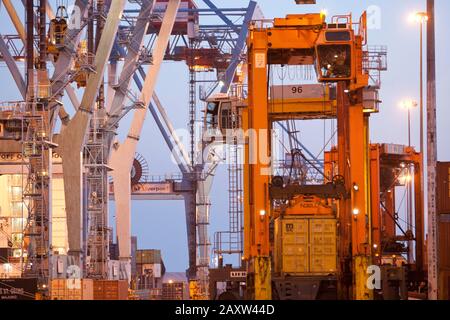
(408, 104)
(324, 12)
(418, 17)
(405, 178)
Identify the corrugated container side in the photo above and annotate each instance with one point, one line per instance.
(88, 289)
(444, 285)
(173, 291)
(156, 294)
(110, 290)
(148, 256)
(66, 289)
(133, 255)
(390, 148)
(98, 289)
(443, 187)
(294, 245)
(323, 251)
(305, 246)
(444, 242)
(123, 290)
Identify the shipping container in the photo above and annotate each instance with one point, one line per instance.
(72, 289)
(110, 290)
(173, 291)
(443, 187)
(393, 149)
(323, 251)
(305, 246)
(444, 256)
(292, 246)
(444, 242)
(133, 255)
(150, 269)
(444, 285)
(148, 256)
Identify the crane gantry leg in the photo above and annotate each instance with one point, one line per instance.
(360, 201)
(122, 157)
(72, 139)
(256, 181)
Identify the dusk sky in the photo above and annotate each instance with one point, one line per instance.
(161, 225)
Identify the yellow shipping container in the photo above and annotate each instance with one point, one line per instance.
(323, 251)
(292, 246)
(305, 246)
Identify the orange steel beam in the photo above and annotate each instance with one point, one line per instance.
(257, 167)
(344, 205)
(375, 200)
(359, 201)
(419, 213)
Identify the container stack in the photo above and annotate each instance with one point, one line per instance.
(173, 291)
(149, 259)
(443, 210)
(71, 289)
(110, 290)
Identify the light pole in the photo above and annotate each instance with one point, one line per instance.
(408, 105)
(421, 17)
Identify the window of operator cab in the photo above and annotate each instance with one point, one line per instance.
(226, 116)
(212, 112)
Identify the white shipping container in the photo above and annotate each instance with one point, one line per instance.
(154, 269)
(394, 149)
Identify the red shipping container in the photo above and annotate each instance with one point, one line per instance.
(443, 187)
(110, 290)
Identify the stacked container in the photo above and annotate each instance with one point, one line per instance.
(149, 261)
(71, 289)
(443, 210)
(173, 291)
(305, 246)
(110, 290)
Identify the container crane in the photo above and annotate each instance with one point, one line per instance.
(338, 48)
